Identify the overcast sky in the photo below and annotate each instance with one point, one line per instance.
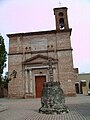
(17, 16)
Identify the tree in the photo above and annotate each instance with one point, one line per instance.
(5, 80)
(3, 57)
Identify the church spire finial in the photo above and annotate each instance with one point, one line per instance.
(59, 3)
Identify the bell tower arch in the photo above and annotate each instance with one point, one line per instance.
(61, 18)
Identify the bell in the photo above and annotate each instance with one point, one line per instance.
(61, 25)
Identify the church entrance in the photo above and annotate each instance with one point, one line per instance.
(39, 81)
(77, 87)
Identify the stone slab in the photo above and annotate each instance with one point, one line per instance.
(3, 107)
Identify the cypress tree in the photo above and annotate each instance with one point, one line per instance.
(3, 57)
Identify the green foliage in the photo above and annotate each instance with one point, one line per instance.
(5, 80)
(3, 56)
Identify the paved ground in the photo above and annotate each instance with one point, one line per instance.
(27, 109)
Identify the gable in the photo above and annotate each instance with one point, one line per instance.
(37, 59)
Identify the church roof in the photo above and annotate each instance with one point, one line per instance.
(38, 33)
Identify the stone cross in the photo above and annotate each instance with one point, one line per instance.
(50, 62)
(59, 3)
(50, 69)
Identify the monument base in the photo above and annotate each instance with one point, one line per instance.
(53, 100)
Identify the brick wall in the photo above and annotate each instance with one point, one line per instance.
(58, 47)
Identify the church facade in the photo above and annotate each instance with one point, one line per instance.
(29, 54)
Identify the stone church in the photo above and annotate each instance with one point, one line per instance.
(28, 59)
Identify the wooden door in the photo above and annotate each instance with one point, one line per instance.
(39, 81)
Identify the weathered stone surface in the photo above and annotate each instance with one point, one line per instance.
(52, 99)
(3, 107)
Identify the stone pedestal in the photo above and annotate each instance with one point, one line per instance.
(52, 100)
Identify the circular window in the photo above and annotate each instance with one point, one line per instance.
(60, 14)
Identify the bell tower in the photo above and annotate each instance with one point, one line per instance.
(61, 18)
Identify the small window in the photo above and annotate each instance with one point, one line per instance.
(26, 48)
(51, 45)
(60, 14)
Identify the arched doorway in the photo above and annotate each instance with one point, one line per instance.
(77, 87)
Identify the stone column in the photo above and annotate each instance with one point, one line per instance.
(31, 89)
(26, 74)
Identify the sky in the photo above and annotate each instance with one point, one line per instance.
(18, 16)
